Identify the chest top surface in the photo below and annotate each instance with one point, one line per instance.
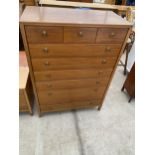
(70, 16)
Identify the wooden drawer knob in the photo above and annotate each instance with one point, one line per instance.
(108, 49)
(80, 34)
(46, 63)
(48, 75)
(49, 85)
(100, 72)
(104, 61)
(112, 34)
(45, 50)
(44, 33)
(95, 90)
(49, 94)
(97, 82)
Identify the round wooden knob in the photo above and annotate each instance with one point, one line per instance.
(95, 89)
(46, 63)
(49, 85)
(44, 33)
(45, 50)
(100, 72)
(112, 34)
(104, 61)
(80, 33)
(48, 75)
(49, 94)
(97, 82)
(108, 49)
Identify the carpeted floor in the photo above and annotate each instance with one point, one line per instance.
(83, 132)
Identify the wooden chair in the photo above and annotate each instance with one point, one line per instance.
(129, 83)
(130, 41)
(128, 48)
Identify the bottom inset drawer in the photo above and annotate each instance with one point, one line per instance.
(23, 108)
(70, 95)
(69, 105)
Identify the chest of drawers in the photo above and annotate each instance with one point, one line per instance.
(72, 54)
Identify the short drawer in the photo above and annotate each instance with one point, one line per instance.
(70, 95)
(71, 74)
(69, 105)
(79, 35)
(72, 63)
(44, 34)
(111, 35)
(71, 84)
(73, 50)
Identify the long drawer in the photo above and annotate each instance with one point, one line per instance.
(23, 108)
(71, 84)
(73, 63)
(71, 74)
(73, 50)
(69, 105)
(70, 95)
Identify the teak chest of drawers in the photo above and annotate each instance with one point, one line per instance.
(72, 54)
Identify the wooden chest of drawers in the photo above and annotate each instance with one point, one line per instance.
(72, 59)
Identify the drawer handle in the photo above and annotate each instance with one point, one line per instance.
(100, 72)
(44, 33)
(45, 50)
(112, 34)
(49, 85)
(49, 94)
(95, 89)
(80, 34)
(108, 49)
(48, 75)
(46, 63)
(97, 82)
(104, 61)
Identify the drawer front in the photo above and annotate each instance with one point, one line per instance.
(44, 34)
(23, 108)
(69, 105)
(70, 95)
(29, 2)
(111, 35)
(71, 84)
(71, 74)
(79, 35)
(73, 63)
(73, 50)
